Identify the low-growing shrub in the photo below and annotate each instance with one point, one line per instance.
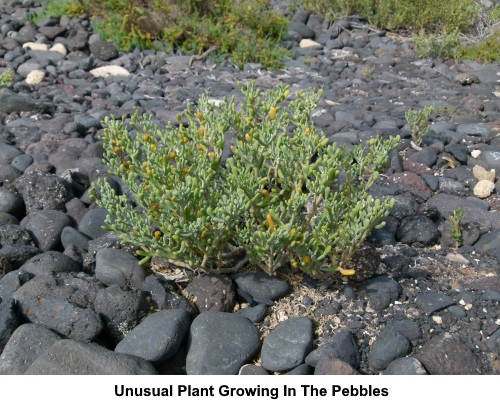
(408, 15)
(247, 31)
(283, 196)
(7, 78)
(437, 46)
(418, 121)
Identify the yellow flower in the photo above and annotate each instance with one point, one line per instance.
(347, 272)
(272, 113)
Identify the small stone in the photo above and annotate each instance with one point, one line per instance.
(481, 173)
(252, 369)
(483, 188)
(475, 153)
(110, 70)
(381, 291)
(327, 366)
(35, 46)
(288, 344)
(261, 287)
(432, 302)
(466, 79)
(212, 292)
(35, 77)
(388, 347)
(118, 267)
(59, 48)
(405, 366)
(308, 43)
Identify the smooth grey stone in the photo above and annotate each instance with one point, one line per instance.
(303, 369)
(60, 315)
(255, 314)
(431, 181)
(158, 337)
(426, 156)
(263, 288)
(11, 102)
(388, 347)
(328, 366)
(493, 342)
(22, 162)
(8, 153)
(287, 345)
(68, 357)
(27, 343)
(303, 30)
(50, 262)
(251, 369)
(92, 222)
(405, 366)
(46, 227)
(11, 282)
(489, 243)
(381, 291)
(6, 219)
(480, 130)
(457, 311)
(162, 295)
(8, 321)
(220, 343)
(340, 346)
(70, 236)
(405, 327)
(118, 267)
(432, 302)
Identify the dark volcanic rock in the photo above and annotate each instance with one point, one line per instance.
(262, 288)
(121, 310)
(27, 343)
(287, 345)
(220, 343)
(43, 191)
(212, 293)
(68, 357)
(445, 355)
(158, 336)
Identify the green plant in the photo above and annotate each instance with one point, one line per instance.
(437, 46)
(368, 73)
(247, 31)
(486, 51)
(285, 195)
(418, 121)
(456, 217)
(58, 8)
(408, 15)
(7, 78)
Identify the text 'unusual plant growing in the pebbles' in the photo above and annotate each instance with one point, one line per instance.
(284, 195)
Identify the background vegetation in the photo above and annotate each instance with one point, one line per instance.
(250, 31)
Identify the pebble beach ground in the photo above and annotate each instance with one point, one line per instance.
(73, 300)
